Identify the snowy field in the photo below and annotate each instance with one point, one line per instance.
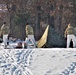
(52, 61)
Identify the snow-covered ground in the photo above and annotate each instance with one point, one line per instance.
(51, 61)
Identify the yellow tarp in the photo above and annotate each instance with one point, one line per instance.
(43, 39)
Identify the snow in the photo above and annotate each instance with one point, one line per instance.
(38, 61)
(53, 62)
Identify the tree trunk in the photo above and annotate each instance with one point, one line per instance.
(23, 32)
(10, 21)
(51, 20)
(60, 17)
(37, 31)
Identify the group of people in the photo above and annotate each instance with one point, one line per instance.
(70, 33)
(29, 40)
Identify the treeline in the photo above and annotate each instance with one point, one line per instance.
(38, 13)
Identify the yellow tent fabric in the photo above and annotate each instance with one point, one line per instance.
(43, 39)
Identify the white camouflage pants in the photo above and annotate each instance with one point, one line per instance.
(69, 38)
(5, 39)
(33, 41)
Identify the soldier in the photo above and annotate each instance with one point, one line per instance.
(30, 36)
(69, 34)
(5, 32)
(75, 31)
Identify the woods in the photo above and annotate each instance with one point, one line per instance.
(39, 14)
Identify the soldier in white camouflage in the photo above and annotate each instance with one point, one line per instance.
(69, 34)
(5, 31)
(30, 36)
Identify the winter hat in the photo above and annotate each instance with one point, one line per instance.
(4, 23)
